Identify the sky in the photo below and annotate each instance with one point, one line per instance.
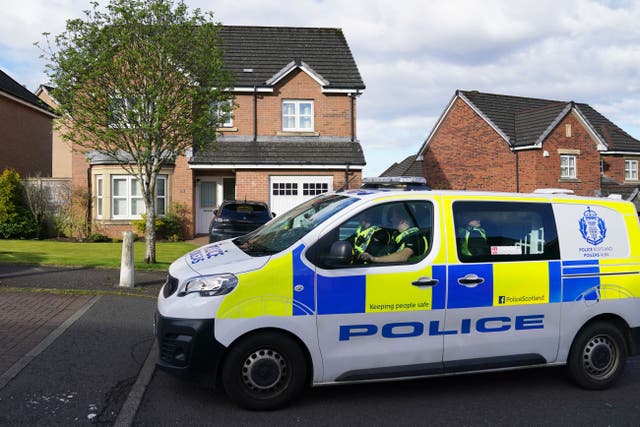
(413, 55)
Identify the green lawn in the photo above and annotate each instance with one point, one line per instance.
(49, 252)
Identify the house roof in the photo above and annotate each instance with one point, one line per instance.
(408, 167)
(14, 89)
(526, 122)
(281, 151)
(272, 52)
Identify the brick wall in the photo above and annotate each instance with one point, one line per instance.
(538, 171)
(467, 154)
(25, 139)
(332, 112)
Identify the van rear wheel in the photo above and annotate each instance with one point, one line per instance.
(264, 371)
(597, 356)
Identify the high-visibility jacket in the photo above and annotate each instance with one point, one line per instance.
(400, 241)
(363, 238)
(464, 248)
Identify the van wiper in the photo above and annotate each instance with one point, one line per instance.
(255, 249)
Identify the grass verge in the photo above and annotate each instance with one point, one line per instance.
(107, 255)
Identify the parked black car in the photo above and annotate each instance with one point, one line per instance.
(235, 218)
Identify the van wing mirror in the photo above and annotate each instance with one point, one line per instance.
(340, 254)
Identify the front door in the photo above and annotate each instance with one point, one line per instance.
(206, 203)
(211, 191)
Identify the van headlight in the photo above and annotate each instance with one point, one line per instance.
(208, 286)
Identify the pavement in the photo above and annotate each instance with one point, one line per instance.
(74, 347)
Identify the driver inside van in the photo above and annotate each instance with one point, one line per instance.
(408, 244)
(369, 237)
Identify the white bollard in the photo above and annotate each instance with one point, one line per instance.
(126, 265)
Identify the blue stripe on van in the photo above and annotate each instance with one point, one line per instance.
(341, 295)
(575, 288)
(555, 282)
(439, 292)
(579, 262)
(580, 270)
(465, 297)
(304, 300)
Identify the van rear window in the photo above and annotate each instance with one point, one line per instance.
(505, 231)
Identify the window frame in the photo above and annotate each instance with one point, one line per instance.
(462, 209)
(297, 116)
(629, 171)
(161, 208)
(570, 158)
(221, 113)
(319, 251)
(99, 196)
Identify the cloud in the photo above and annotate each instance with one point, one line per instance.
(414, 54)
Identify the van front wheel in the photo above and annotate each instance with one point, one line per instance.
(264, 371)
(597, 356)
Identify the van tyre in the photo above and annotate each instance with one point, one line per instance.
(597, 356)
(264, 371)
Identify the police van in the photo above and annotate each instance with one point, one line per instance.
(493, 281)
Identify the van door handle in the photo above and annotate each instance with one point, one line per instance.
(470, 280)
(425, 281)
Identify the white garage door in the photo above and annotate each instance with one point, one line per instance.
(289, 191)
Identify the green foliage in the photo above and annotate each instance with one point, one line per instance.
(134, 81)
(16, 220)
(168, 227)
(98, 238)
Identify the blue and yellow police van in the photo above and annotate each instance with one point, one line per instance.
(455, 282)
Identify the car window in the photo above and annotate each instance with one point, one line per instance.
(379, 232)
(244, 211)
(505, 231)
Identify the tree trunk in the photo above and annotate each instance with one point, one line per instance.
(150, 226)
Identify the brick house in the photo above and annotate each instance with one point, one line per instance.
(291, 134)
(495, 142)
(25, 130)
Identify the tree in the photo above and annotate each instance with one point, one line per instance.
(16, 221)
(140, 82)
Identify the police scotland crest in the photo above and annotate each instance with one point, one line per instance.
(592, 227)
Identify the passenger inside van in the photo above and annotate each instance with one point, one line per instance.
(473, 238)
(407, 243)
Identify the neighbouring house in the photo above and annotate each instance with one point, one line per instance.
(410, 166)
(492, 142)
(25, 130)
(291, 134)
(61, 153)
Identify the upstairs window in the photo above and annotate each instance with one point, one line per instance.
(631, 170)
(224, 113)
(568, 167)
(297, 116)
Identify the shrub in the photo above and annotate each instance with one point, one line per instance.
(168, 227)
(16, 220)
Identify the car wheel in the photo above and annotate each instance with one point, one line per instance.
(264, 371)
(597, 356)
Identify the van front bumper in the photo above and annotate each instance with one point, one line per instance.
(187, 347)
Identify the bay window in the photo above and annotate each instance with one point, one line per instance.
(126, 197)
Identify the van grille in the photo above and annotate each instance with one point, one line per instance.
(174, 349)
(170, 286)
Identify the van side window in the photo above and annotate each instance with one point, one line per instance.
(505, 231)
(391, 233)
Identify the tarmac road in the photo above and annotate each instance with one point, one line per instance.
(78, 357)
(71, 356)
